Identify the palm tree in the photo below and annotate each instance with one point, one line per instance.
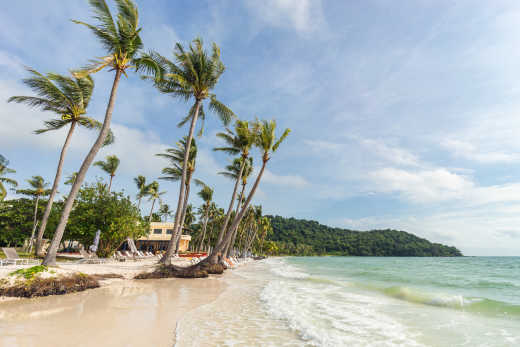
(174, 173)
(109, 166)
(267, 142)
(4, 170)
(39, 189)
(140, 182)
(153, 192)
(68, 98)
(206, 194)
(165, 211)
(121, 41)
(71, 178)
(247, 171)
(238, 142)
(194, 75)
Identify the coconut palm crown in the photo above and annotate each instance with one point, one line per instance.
(110, 166)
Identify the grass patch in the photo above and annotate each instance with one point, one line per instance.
(30, 272)
(50, 286)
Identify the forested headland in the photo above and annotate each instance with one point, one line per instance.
(292, 236)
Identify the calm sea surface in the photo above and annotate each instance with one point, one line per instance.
(358, 301)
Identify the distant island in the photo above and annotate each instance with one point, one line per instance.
(302, 237)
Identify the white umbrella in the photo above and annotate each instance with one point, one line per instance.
(94, 246)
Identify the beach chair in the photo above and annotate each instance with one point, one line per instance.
(13, 258)
(90, 258)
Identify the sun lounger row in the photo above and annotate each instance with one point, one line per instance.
(120, 255)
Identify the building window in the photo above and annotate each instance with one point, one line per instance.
(169, 231)
(157, 231)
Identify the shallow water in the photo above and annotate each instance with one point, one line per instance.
(349, 301)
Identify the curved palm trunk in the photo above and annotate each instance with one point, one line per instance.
(54, 190)
(35, 217)
(171, 245)
(213, 258)
(204, 226)
(183, 217)
(110, 184)
(231, 203)
(229, 246)
(50, 258)
(151, 211)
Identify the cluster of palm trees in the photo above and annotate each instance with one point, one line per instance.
(191, 76)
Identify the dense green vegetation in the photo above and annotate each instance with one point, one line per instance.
(303, 237)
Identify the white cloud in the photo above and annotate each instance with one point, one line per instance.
(396, 155)
(302, 15)
(294, 181)
(470, 151)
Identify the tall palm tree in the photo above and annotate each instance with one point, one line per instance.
(247, 171)
(140, 182)
(4, 170)
(68, 98)
(174, 173)
(194, 74)
(109, 166)
(121, 40)
(267, 142)
(238, 142)
(165, 211)
(37, 190)
(206, 194)
(153, 192)
(71, 178)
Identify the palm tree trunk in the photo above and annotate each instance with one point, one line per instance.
(229, 246)
(151, 211)
(204, 226)
(213, 258)
(110, 184)
(169, 251)
(48, 208)
(230, 208)
(50, 258)
(181, 225)
(35, 217)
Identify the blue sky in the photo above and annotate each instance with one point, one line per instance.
(404, 114)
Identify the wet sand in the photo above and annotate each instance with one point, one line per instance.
(124, 313)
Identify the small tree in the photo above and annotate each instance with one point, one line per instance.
(113, 214)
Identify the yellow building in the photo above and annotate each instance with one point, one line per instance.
(159, 236)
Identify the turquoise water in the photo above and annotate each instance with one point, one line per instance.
(358, 301)
(466, 301)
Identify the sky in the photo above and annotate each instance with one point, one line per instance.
(404, 114)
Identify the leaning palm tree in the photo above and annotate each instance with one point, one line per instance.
(194, 74)
(246, 172)
(122, 42)
(4, 170)
(109, 166)
(37, 190)
(68, 98)
(140, 182)
(267, 142)
(174, 173)
(206, 194)
(238, 142)
(155, 194)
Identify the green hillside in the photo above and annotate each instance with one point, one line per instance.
(303, 237)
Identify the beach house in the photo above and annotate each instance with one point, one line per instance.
(158, 237)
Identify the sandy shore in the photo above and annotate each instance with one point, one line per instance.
(123, 312)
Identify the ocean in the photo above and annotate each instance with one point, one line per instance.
(362, 301)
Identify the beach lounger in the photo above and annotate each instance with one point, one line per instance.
(90, 258)
(13, 258)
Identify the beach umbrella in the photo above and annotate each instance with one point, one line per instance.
(94, 246)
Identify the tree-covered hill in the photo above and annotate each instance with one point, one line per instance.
(303, 237)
